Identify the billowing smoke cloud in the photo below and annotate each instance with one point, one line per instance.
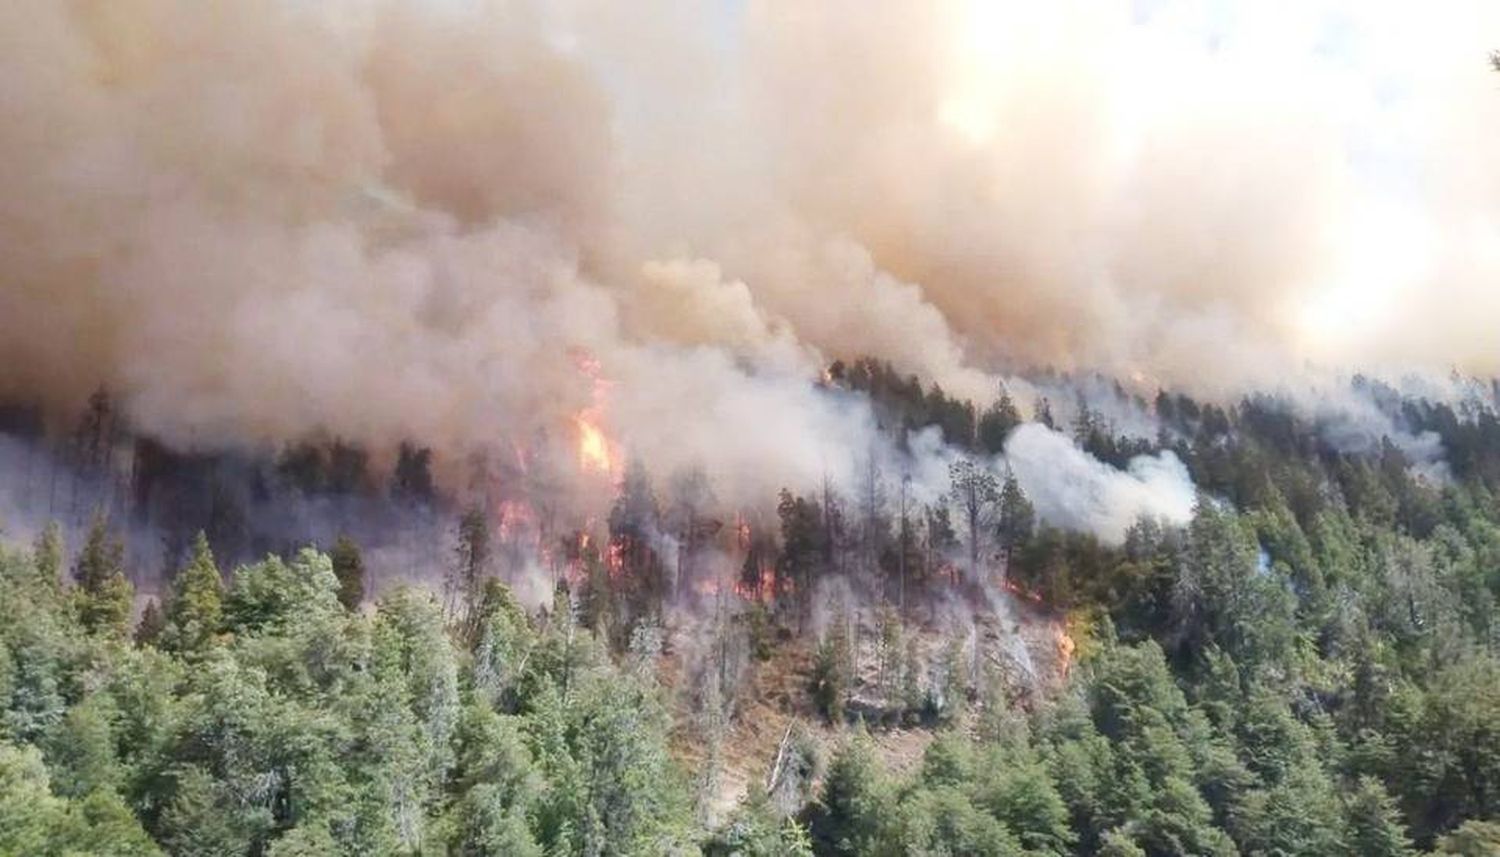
(1072, 489)
(1137, 186)
(383, 219)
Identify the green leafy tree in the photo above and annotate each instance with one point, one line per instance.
(943, 820)
(504, 646)
(1117, 843)
(33, 821)
(306, 840)
(201, 818)
(1472, 839)
(496, 787)
(81, 750)
(758, 831)
(273, 596)
(1017, 789)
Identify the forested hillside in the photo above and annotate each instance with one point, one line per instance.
(749, 427)
(1309, 665)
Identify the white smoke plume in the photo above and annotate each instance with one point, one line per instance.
(1071, 489)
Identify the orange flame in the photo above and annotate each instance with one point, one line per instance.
(1065, 648)
(596, 452)
(593, 446)
(515, 518)
(614, 560)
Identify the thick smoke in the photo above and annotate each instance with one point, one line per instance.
(378, 219)
(1072, 489)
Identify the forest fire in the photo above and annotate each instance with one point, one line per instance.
(514, 518)
(596, 452)
(593, 446)
(758, 583)
(1065, 649)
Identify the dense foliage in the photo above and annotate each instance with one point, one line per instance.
(1311, 666)
(268, 718)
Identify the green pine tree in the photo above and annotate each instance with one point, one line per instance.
(349, 568)
(195, 614)
(103, 594)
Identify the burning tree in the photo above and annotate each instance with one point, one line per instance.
(634, 528)
(692, 497)
(471, 562)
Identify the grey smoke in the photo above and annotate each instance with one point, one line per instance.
(389, 219)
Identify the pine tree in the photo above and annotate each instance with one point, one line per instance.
(471, 565)
(802, 534)
(832, 670)
(597, 599)
(634, 519)
(857, 805)
(1375, 828)
(412, 481)
(1017, 516)
(1044, 413)
(349, 568)
(1472, 839)
(195, 614)
(103, 594)
(951, 694)
(977, 496)
(996, 424)
(47, 557)
(149, 629)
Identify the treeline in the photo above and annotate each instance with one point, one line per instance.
(247, 502)
(267, 717)
(1243, 689)
(1130, 763)
(1308, 667)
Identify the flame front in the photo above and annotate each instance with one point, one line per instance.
(596, 453)
(593, 446)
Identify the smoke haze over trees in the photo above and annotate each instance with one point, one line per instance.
(478, 427)
(390, 221)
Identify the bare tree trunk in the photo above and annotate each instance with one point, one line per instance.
(901, 552)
